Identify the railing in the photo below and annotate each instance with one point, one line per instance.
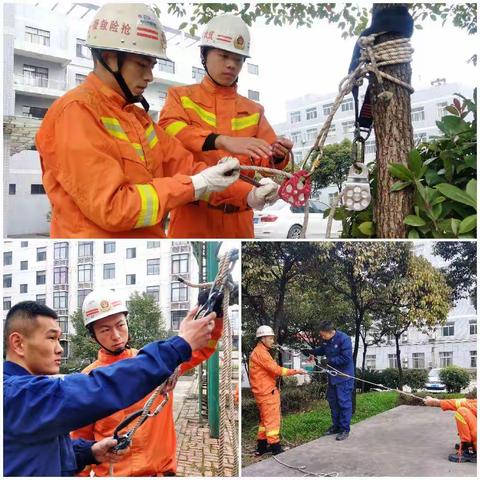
(39, 81)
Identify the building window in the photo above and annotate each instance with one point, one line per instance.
(348, 127)
(162, 95)
(166, 65)
(154, 292)
(297, 137)
(177, 316)
(41, 277)
(371, 362)
(254, 95)
(79, 79)
(298, 156)
(312, 134)
(60, 275)
(7, 281)
(311, 113)
(63, 324)
(37, 189)
(85, 273)
(252, 68)
(60, 251)
(153, 244)
(81, 296)
(392, 360)
(370, 147)
(23, 288)
(441, 109)
(7, 303)
(60, 300)
(448, 330)
(35, 76)
(418, 114)
(41, 254)
(12, 188)
(446, 359)
(473, 357)
(332, 130)
(131, 279)
(108, 271)
(295, 117)
(7, 258)
(108, 247)
(419, 137)
(347, 105)
(418, 360)
(180, 263)
(153, 266)
(179, 292)
(332, 197)
(327, 109)
(198, 74)
(473, 327)
(41, 298)
(35, 35)
(85, 249)
(23, 244)
(131, 252)
(24, 265)
(66, 349)
(33, 112)
(82, 50)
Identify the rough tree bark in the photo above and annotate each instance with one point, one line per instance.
(394, 137)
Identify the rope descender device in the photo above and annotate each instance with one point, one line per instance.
(296, 189)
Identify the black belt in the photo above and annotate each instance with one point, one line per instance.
(225, 208)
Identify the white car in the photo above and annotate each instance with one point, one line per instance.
(281, 220)
(434, 383)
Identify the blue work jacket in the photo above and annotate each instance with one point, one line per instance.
(338, 351)
(39, 411)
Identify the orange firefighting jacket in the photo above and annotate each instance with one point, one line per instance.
(153, 450)
(455, 403)
(107, 169)
(190, 114)
(263, 371)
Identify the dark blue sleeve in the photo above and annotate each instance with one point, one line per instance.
(44, 407)
(344, 356)
(83, 453)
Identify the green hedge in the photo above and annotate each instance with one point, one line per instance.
(454, 378)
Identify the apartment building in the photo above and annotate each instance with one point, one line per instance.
(45, 55)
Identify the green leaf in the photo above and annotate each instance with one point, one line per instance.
(439, 199)
(414, 221)
(182, 25)
(456, 194)
(415, 162)
(468, 224)
(455, 223)
(437, 211)
(367, 228)
(472, 188)
(400, 171)
(453, 125)
(399, 186)
(412, 233)
(432, 177)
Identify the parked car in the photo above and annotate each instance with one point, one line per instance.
(434, 382)
(282, 220)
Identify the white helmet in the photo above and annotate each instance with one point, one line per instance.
(227, 32)
(100, 304)
(128, 27)
(264, 331)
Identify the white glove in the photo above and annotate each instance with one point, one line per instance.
(258, 197)
(214, 179)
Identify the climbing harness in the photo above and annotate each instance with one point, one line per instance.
(222, 285)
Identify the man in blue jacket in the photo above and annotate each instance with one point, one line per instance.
(40, 410)
(337, 347)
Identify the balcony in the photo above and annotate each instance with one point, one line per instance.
(88, 259)
(60, 287)
(85, 286)
(39, 86)
(59, 262)
(179, 306)
(38, 51)
(180, 247)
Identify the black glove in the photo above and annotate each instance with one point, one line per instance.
(324, 363)
(215, 306)
(307, 352)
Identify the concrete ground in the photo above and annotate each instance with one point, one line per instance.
(403, 442)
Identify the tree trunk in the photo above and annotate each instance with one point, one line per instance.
(394, 138)
(399, 362)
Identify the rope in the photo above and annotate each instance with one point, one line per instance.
(302, 469)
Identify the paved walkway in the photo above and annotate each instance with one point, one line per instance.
(197, 452)
(402, 442)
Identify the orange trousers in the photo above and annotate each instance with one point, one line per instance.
(466, 425)
(270, 417)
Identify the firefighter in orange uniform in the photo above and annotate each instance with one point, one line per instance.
(107, 169)
(153, 450)
(263, 373)
(212, 120)
(466, 420)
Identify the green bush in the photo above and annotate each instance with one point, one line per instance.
(389, 377)
(415, 378)
(290, 381)
(454, 378)
(371, 376)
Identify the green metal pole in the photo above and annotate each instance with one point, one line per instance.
(213, 370)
